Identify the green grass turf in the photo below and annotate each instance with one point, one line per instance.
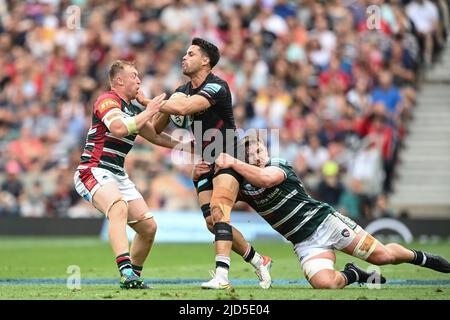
(32, 258)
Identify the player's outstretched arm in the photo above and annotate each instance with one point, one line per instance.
(181, 104)
(259, 177)
(121, 127)
(149, 133)
(160, 120)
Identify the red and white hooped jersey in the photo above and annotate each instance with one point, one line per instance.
(102, 149)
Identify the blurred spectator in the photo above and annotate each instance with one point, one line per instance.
(350, 202)
(315, 154)
(62, 199)
(174, 191)
(35, 202)
(382, 209)
(359, 96)
(12, 189)
(388, 94)
(330, 187)
(424, 15)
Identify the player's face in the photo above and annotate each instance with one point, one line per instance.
(257, 154)
(192, 61)
(131, 81)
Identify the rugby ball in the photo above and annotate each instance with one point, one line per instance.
(181, 121)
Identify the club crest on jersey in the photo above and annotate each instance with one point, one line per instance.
(345, 233)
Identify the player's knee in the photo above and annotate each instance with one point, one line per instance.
(222, 202)
(153, 228)
(118, 210)
(217, 215)
(150, 230)
(329, 281)
(326, 284)
(321, 274)
(215, 209)
(223, 231)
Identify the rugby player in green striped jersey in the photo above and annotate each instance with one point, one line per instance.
(315, 229)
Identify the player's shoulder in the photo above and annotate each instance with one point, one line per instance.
(281, 164)
(108, 98)
(276, 162)
(214, 86)
(106, 101)
(215, 81)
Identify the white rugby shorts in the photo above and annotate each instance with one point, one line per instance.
(89, 180)
(335, 232)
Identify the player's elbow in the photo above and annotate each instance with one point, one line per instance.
(118, 129)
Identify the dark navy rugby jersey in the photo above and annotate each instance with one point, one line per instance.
(219, 115)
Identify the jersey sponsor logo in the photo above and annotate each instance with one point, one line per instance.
(212, 87)
(202, 182)
(108, 103)
(90, 183)
(279, 204)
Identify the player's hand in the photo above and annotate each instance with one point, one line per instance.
(155, 104)
(224, 161)
(189, 146)
(200, 169)
(140, 97)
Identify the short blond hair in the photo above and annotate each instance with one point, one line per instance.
(118, 66)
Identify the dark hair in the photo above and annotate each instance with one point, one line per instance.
(116, 67)
(251, 139)
(210, 50)
(248, 141)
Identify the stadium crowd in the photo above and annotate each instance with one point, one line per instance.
(339, 78)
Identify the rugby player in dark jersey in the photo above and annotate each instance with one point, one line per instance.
(206, 98)
(271, 187)
(101, 179)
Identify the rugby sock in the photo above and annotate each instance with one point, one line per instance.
(137, 269)
(419, 258)
(350, 275)
(222, 267)
(123, 262)
(252, 257)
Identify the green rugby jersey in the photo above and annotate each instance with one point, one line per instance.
(287, 207)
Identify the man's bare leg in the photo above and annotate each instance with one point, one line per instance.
(240, 245)
(224, 194)
(142, 221)
(108, 200)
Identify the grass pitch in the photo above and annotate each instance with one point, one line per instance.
(41, 268)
